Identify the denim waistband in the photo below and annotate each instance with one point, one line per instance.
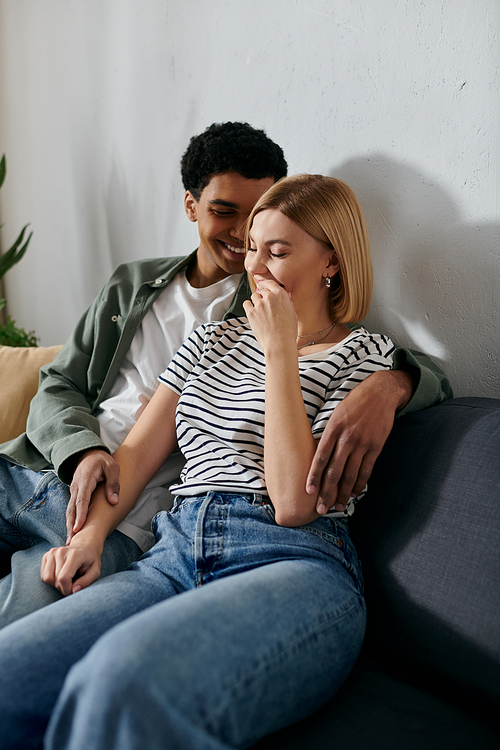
(252, 498)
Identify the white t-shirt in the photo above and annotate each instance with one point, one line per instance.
(179, 309)
(219, 374)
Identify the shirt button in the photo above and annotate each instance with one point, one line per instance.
(158, 282)
(114, 318)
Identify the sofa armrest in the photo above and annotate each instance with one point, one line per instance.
(19, 368)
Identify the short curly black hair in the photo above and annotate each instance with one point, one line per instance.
(230, 147)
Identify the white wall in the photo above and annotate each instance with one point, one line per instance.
(98, 99)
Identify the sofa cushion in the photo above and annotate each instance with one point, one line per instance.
(428, 535)
(19, 367)
(378, 709)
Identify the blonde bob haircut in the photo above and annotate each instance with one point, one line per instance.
(328, 210)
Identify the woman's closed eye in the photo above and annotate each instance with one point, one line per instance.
(251, 249)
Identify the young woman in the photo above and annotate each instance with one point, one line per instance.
(248, 612)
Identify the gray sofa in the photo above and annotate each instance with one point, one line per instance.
(428, 535)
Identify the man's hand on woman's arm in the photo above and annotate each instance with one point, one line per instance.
(92, 467)
(354, 437)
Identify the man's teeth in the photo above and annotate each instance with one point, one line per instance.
(239, 250)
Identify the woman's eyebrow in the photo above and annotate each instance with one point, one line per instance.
(272, 242)
(278, 242)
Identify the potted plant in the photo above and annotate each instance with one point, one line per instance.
(10, 334)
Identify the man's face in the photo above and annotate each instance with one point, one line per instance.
(222, 212)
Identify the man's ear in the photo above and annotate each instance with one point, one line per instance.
(190, 206)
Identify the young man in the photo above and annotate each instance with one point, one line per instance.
(93, 392)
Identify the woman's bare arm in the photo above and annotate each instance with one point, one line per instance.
(289, 445)
(140, 456)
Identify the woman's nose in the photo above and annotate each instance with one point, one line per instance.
(254, 263)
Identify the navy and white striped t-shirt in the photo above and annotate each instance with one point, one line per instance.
(219, 373)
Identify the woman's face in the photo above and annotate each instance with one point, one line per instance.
(282, 251)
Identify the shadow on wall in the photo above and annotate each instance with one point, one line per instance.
(437, 278)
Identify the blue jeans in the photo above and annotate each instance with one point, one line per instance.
(32, 520)
(230, 627)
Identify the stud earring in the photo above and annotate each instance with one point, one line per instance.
(328, 282)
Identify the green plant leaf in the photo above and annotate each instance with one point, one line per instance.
(14, 253)
(11, 335)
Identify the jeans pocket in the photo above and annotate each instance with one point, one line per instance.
(48, 487)
(335, 532)
(157, 519)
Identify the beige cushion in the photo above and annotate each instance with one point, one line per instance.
(19, 368)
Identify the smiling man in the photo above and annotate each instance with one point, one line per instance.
(221, 212)
(92, 394)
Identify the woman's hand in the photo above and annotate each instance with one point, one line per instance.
(288, 441)
(272, 316)
(72, 568)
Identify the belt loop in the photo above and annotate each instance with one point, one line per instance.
(259, 499)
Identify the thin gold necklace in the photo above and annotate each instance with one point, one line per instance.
(316, 341)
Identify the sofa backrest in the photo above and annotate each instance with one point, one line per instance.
(428, 535)
(19, 369)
